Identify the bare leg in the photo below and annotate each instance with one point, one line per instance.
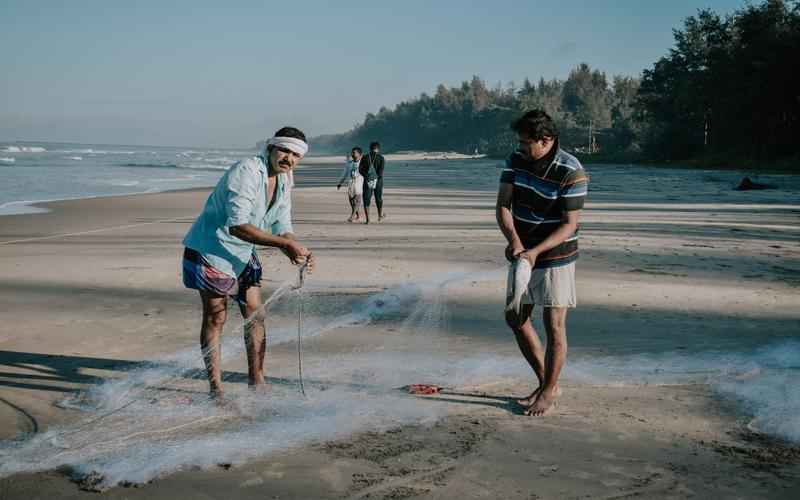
(531, 347)
(215, 310)
(555, 323)
(254, 336)
(367, 199)
(353, 209)
(379, 200)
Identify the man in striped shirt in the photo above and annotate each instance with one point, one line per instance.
(542, 190)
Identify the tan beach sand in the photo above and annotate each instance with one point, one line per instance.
(93, 287)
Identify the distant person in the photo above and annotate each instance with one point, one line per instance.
(541, 194)
(371, 168)
(250, 205)
(354, 182)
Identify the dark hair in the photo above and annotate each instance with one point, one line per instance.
(357, 149)
(536, 124)
(295, 133)
(375, 144)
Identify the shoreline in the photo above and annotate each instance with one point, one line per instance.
(41, 206)
(30, 207)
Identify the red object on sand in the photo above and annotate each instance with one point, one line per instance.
(423, 389)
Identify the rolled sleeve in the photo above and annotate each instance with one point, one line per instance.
(242, 189)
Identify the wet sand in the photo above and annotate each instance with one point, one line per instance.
(92, 289)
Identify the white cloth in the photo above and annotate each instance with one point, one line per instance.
(295, 145)
(352, 179)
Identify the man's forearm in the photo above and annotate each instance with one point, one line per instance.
(506, 222)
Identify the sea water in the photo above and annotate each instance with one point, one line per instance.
(41, 171)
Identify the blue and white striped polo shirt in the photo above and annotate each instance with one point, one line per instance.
(543, 191)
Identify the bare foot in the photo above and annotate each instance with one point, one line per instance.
(217, 397)
(543, 404)
(526, 402)
(381, 217)
(350, 219)
(259, 387)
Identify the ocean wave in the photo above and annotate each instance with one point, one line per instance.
(76, 158)
(90, 151)
(7, 161)
(237, 153)
(224, 160)
(124, 183)
(180, 166)
(23, 149)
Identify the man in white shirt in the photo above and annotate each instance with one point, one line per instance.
(354, 181)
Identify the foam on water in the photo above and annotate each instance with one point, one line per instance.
(23, 149)
(55, 172)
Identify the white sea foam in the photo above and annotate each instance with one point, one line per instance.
(21, 207)
(203, 166)
(24, 149)
(75, 158)
(91, 151)
(7, 161)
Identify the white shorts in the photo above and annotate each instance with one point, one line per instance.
(551, 287)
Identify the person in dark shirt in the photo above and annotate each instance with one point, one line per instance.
(541, 194)
(371, 169)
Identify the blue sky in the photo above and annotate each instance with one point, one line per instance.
(199, 74)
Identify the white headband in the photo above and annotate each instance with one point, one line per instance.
(290, 143)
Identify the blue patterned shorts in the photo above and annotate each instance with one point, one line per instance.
(199, 274)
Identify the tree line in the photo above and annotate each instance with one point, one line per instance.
(729, 88)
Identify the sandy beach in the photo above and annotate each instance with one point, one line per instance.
(684, 303)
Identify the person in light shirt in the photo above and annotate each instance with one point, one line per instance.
(354, 181)
(250, 206)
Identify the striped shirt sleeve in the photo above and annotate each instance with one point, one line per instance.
(573, 190)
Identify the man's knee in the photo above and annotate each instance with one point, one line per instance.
(512, 320)
(515, 320)
(555, 323)
(215, 318)
(555, 317)
(254, 316)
